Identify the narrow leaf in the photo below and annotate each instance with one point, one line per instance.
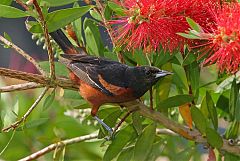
(176, 101)
(199, 120)
(233, 98)
(61, 18)
(186, 114)
(211, 110)
(48, 101)
(6, 2)
(110, 120)
(144, 143)
(116, 8)
(54, 3)
(121, 140)
(213, 138)
(188, 35)
(137, 122)
(11, 12)
(33, 124)
(95, 15)
(126, 154)
(94, 42)
(232, 130)
(195, 26)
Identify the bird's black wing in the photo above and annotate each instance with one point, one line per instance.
(90, 69)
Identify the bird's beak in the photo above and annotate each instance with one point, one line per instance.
(163, 73)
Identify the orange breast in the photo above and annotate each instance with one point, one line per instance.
(96, 98)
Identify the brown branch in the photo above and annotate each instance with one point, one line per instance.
(22, 4)
(20, 87)
(38, 79)
(58, 145)
(17, 123)
(23, 53)
(183, 131)
(46, 35)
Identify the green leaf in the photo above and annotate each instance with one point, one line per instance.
(213, 138)
(231, 157)
(116, 8)
(190, 58)
(188, 35)
(77, 26)
(61, 70)
(54, 3)
(107, 13)
(234, 93)
(126, 154)
(237, 109)
(176, 101)
(6, 2)
(122, 138)
(204, 107)
(137, 122)
(199, 119)
(195, 26)
(94, 42)
(179, 77)
(33, 124)
(95, 15)
(232, 130)
(48, 101)
(144, 143)
(211, 110)
(10, 114)
(70, 94)
(61, 18)
(223, 103)
(11, 12)
(226, 84)
(194, 76)
(140, 58)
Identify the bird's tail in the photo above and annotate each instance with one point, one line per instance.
(64, 43)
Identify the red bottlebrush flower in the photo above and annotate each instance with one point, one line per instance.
(223, 46)
(150, 24)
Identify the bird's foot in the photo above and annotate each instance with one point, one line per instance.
(109, 129)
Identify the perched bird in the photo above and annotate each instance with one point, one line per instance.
(105, 81)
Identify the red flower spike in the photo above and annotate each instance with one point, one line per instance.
(154, 23)
(223, 46)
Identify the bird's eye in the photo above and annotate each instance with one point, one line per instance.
(148, 72)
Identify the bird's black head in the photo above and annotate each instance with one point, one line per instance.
(144, 77)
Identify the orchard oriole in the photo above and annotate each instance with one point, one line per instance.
(105, 81)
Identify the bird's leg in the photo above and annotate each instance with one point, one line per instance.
(109, 129)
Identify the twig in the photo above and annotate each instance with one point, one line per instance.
(24, 54)
(57, 145)
(38, 79)
(46, 35)
(22, 4)
(20, 87)
(122, 120)
(17, 123)
(151, 98)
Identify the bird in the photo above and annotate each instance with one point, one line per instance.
(102, 80)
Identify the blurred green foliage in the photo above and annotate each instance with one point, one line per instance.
(63, 114)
